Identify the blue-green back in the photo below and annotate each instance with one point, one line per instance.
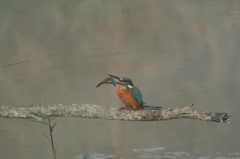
(137, 95)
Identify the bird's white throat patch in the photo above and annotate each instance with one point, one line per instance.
(130, 86)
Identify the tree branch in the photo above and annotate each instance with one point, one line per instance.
(150, 113)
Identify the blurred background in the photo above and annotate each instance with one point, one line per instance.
(176, 52)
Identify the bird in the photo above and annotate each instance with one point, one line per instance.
(128, 93)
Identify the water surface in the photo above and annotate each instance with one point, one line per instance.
(177, 52)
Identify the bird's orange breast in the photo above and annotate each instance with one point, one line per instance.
(127, 98)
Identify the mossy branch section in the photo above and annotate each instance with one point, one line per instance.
(150, 113)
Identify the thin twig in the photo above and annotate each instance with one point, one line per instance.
(15, 64)
(51, 138)
(62, 97)
(47, 137)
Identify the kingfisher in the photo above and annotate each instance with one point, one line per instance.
(129, 94)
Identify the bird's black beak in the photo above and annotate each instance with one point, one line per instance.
(114, 76)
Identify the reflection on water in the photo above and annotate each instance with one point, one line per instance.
(176, 52)
(95, 156)
(148, 149)
(149, 153)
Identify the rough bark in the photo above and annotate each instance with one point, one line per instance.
(150, 113)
